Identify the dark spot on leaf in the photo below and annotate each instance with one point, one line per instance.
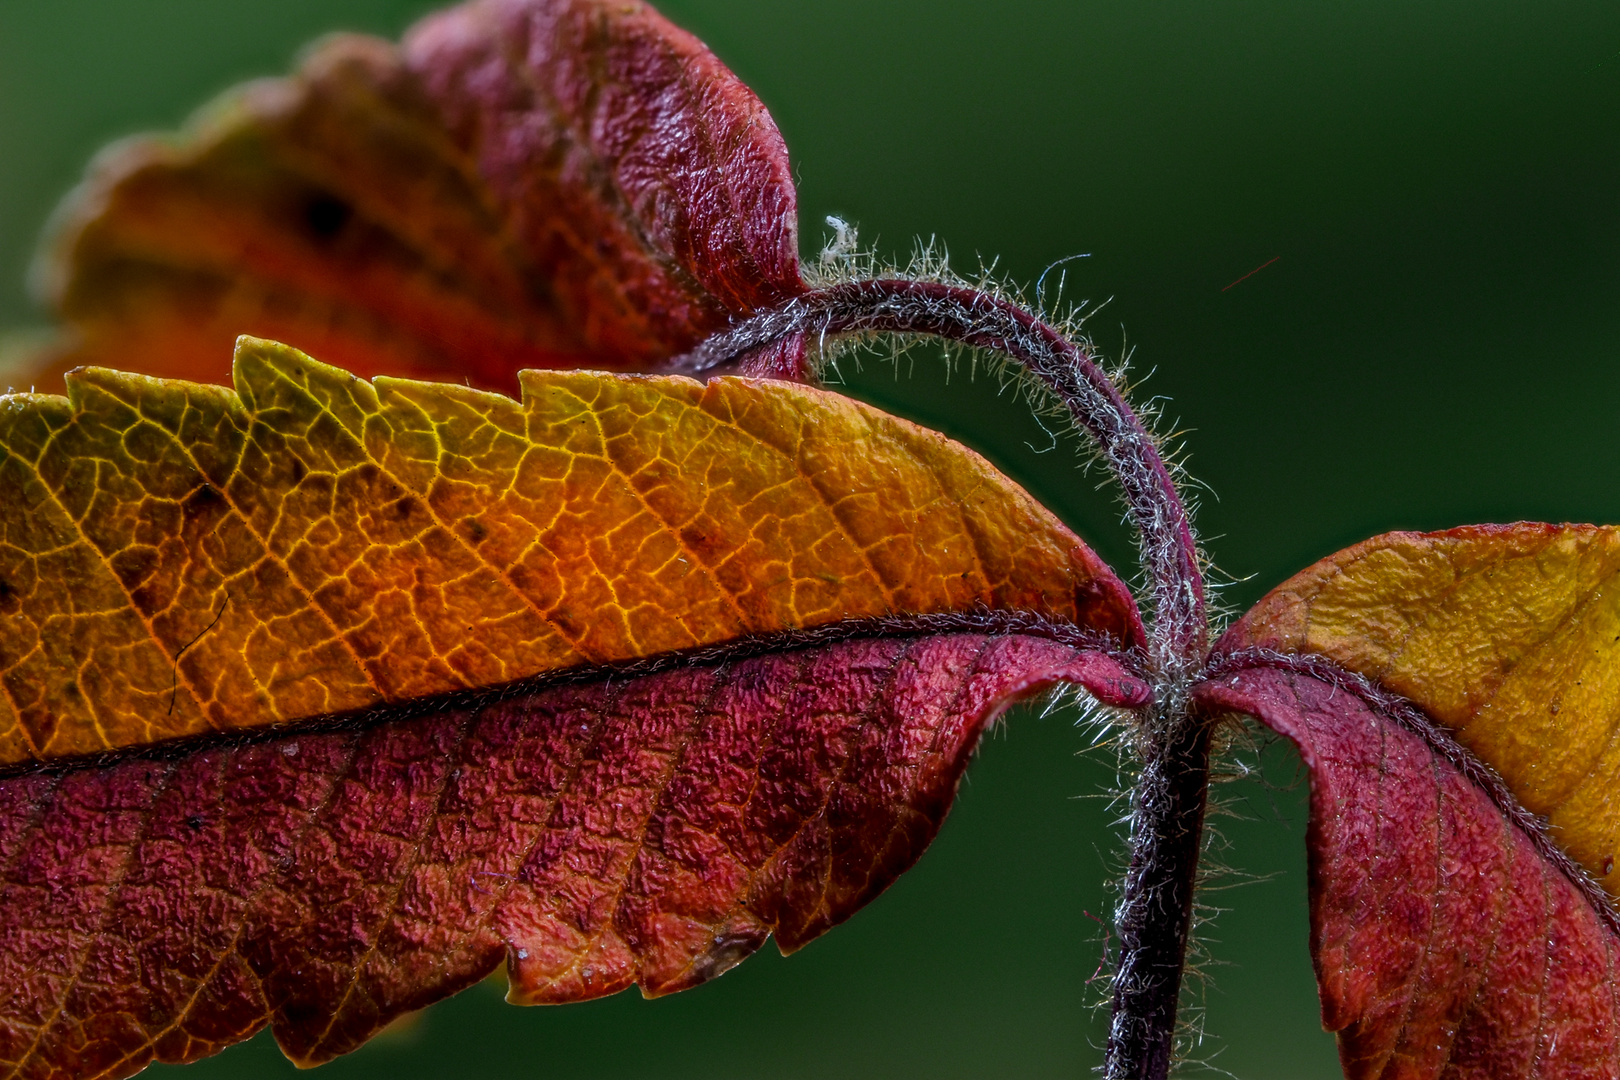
(702, 542)
(195, 822)
(206, 494)
(325, 214)
(134, 565)
(204, 501)
(475, 530)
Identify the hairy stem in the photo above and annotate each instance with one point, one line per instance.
(955, 313)
(1155, 911)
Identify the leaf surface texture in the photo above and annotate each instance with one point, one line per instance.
(1446, 943)
(1508, 635)
(1455, 698)
(180, 559)
(651, 830)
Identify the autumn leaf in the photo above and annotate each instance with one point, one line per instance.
(1453, 695)
(323, 697)
(290, 647)
(254, 634)
(591, 835)
(517, 185)
(184, 559)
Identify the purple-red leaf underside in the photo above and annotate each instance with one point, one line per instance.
(1450, 937)
(646, 828)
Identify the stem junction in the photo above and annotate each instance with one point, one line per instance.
(1153, 917)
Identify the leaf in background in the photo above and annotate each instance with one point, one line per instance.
(522, 183)
(1448, 691)
(381, 612)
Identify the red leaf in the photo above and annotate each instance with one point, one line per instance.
(1450, 936)
(524, 183)
(652, 829)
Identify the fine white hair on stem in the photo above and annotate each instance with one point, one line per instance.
(1046, 355)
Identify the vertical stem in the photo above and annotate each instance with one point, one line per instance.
(1155, 911)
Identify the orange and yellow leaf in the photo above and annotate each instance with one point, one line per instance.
(180, 558)
(1507, 635)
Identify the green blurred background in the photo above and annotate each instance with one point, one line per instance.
(1435, 344)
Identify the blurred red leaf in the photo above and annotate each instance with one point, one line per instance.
(522, 183)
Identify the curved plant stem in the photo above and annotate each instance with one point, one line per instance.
(902, 306)
(1154, 913)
